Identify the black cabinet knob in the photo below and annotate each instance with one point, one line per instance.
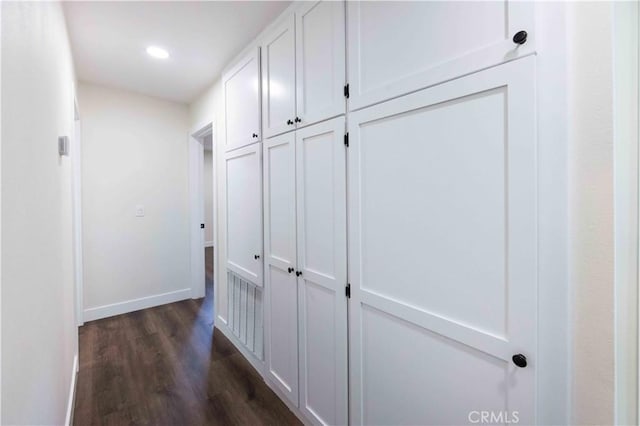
(256, 256)
(520, 37)
(290, 270)
(255, 135)
(519, 360)
(298, 273)
(298, 120)
(289, 122)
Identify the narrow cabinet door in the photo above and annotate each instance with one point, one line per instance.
(278, 81)
(242, 102)
(280, 255)
(320, 61)
(322, 260)
(244, 212)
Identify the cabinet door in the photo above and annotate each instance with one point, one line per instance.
(322, 259)
(320, 61)
(279, 79)
(280, 256)
(442, 251)
(399, 47)
(242, 102)
(244, 212)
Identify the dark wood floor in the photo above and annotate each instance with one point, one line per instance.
(166, 366)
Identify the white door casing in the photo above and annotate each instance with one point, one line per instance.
(196, 213)
(320, 61)
(443, 251)
(243, 168)
(437, 41)
(281, 290)
(279, 79)
(76, 190)
(305, 237)
(242, 102)
(322, 262)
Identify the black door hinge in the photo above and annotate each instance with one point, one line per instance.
(347, 291)
(346, 139)
(346, 90)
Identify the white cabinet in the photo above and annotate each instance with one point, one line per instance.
(442, 251)
(305, 252)
(303, 66)
(441, 210)
(242, 102)
(244, 212)
(399, 47)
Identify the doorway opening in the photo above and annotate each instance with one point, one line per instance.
(207, 194)
(202, 178)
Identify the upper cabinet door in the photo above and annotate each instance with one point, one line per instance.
(242, 102)
(320, 61)
(244, 212)
(399, 47)
(279, 79)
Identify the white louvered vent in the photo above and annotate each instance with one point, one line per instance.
(245, 313)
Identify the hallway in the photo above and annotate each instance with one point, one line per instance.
(319, 212)
(166, 365)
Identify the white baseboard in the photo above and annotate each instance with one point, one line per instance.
(295, 410)
(72, 392)
(127, 306)
(256, 363)
(208, 243)
(260, 366)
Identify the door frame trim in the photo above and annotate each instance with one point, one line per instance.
(76, 206)
(196, 208)
(626, 108)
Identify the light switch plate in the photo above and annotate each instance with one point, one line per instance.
(63, 145)
(139, 210)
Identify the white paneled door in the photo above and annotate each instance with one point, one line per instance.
(322, 253)
(244, 212)
(442, 248)
(281, 331)
(305, 251)
(320, 61)
(242, 102)
(279, 79)
(399, 47)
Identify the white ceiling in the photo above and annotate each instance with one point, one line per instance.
(109, 39)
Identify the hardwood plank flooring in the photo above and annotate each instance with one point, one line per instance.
(167, 366)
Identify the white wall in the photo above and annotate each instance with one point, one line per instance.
(591, 220)
(207, 172)
(39, 337)
(134, 152)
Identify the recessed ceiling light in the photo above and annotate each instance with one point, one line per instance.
(157, 52)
